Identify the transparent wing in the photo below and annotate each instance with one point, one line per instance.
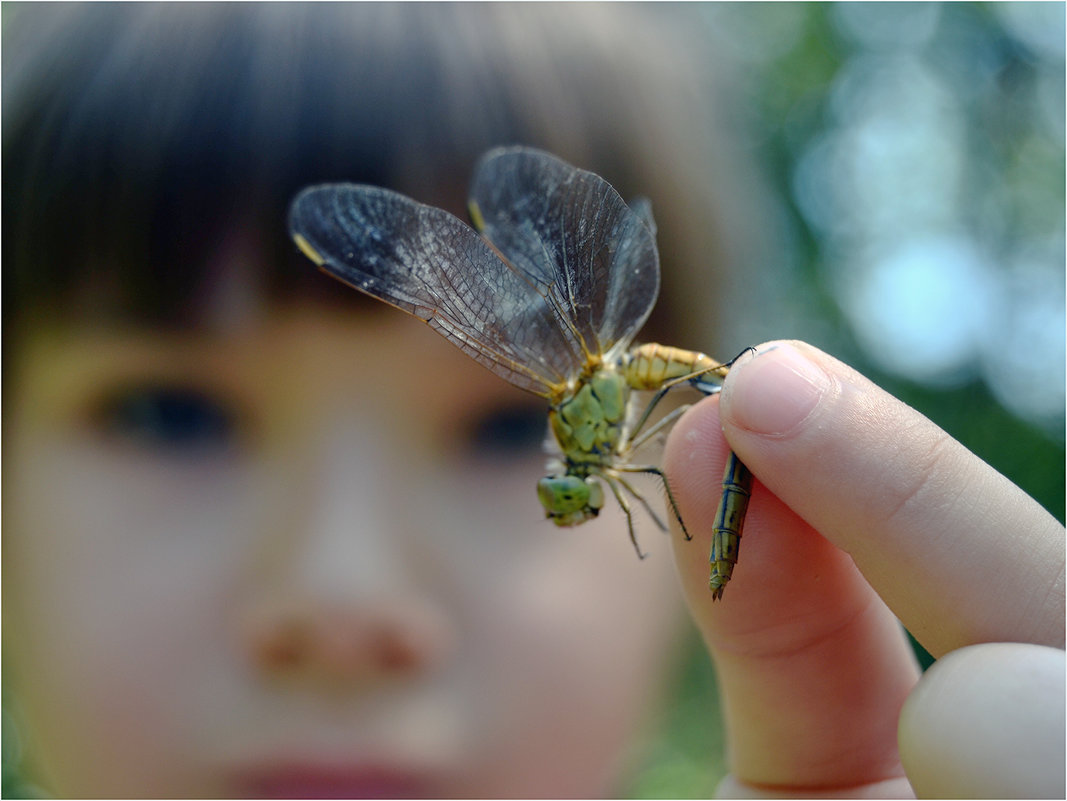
(430, 264)
(569, 231)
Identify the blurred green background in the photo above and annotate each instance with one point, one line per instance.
(912, 156)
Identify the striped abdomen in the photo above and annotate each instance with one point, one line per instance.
(651, 366)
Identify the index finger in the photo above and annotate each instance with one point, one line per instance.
(957, 551)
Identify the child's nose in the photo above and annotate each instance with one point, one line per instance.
(340, 595)
(350, 643)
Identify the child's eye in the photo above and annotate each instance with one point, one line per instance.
(174, 418)
(508, 431)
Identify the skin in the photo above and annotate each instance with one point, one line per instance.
(863, 513)
(348, 585)
(351, 594)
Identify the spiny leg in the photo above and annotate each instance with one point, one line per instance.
(641, 499)
(733, 361)
(666, 420)
(652, 404)
(639, 440)
(674, 382)
(611, 482)
(737, 483)
(649, 468)
(725, 367)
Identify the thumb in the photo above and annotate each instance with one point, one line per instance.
(987, 721)
(958, 552)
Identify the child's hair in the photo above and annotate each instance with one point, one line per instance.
(138, 136)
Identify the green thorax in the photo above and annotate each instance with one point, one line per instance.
(589, 424)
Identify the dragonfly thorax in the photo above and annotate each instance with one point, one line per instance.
(588, 423)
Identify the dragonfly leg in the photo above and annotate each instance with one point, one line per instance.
(750, 348)
(660, 393)
(694, 380)
(713, 389)
(653, 470)
(666, 420)
(612, 481)
(690, 378)
(641, 499)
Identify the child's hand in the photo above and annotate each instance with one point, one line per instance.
(864, 512)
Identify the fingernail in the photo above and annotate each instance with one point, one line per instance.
(773, 392)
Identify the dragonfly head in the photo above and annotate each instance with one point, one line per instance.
(570, 500)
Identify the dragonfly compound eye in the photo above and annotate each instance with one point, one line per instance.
(570, 500)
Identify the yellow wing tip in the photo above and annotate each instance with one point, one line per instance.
(308, 250)
(476, 216)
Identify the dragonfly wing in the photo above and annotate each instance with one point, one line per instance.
(642, 207)
(432, 265)
(569, 231)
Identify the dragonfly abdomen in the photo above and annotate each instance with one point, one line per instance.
(650, 366)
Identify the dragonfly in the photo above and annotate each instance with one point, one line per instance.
(548, 290)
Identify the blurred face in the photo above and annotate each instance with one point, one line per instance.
(303, 556)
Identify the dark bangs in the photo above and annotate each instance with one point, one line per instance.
(138, 137)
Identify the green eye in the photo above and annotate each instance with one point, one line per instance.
(569, 500)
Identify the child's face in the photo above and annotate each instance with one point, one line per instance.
(293, 557)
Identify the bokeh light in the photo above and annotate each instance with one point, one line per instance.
(919, 149)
